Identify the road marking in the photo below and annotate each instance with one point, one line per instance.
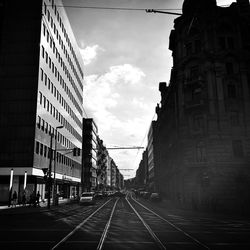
(159, 243)
(177, 228)
(79, 226)
(99, 247)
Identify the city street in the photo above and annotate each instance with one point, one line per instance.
(120, 223)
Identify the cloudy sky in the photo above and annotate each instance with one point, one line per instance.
(126, 56)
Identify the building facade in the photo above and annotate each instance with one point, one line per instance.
(102, 163)
(89, 156)
(203, 120)
(41, 98)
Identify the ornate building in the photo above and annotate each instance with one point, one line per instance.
(203, 125)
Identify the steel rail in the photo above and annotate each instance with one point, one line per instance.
(156, 239)
(79, 226)
(174, 226)
(100, 245)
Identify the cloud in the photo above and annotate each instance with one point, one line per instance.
(116, 101)
(89, 53)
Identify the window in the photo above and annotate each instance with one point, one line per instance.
(44, 30)
(42, 74)
(237, 148)
(43, 51)
(49, 83)
(40, 98)
(47, 36)
(45, 150)
(46, 57)
(39, 122)
(44, 101)
(37, 147)
(45, 79)
(45, 8)
(46, 127)
(47, 105)
(41, 149)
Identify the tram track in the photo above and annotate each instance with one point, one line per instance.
(126, 223)
(158, 223)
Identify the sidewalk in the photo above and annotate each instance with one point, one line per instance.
(5, 209)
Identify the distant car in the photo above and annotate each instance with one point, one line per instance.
(99, 195)
(155, 197)
(146, 195)
(87, 198)
(119, 194)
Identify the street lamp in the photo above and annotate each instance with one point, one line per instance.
(55, 158)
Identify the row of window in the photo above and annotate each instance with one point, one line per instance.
(195, 46)
(57, 115)
(45, 151)
(48, 129)
(59, 20)
(54, 91)
(48, 60)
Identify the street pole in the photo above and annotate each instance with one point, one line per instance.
(55, 159)
(49, 174)
(10, 187)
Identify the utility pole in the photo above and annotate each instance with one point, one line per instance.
(49, 181)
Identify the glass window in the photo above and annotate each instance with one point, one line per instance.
(40, 98)
(37, 147)
(41, 149)
(44, 101)
(39, 122)
(45, 151)
(41, 74)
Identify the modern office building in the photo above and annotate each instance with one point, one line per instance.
(41, 96)
(89, 155)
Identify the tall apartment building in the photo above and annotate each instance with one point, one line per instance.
(102, 162)
(41, 97)
(89, 156)
(203, 125)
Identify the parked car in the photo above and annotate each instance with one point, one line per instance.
(87, 198)
(155, 197)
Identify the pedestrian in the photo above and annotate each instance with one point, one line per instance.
(14, 199)
(24, 198)
(38, 199)
(33, 199)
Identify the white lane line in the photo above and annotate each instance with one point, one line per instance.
(177, 228)
(159, 243)
(79, 226)
(99, 247)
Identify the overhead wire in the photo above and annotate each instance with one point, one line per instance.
(108, 8)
